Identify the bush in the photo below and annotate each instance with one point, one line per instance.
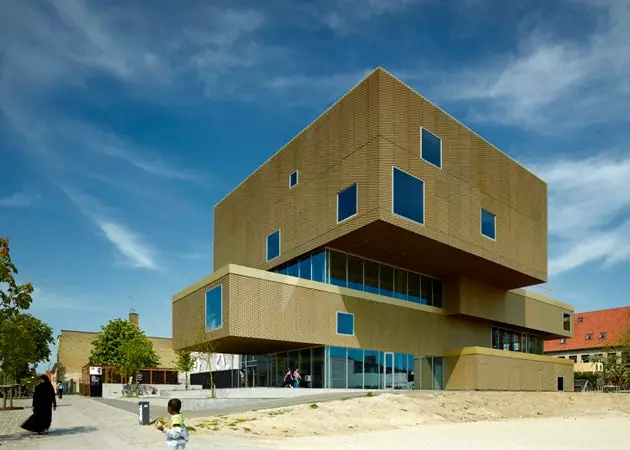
(591, 377)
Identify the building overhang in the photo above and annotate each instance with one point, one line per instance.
(390, 244)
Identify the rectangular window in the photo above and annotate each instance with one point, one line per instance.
(589, 336)
(413, 287)
(386, 284)
(355, 273)
(563, 341)
(214, 308)
(318, 266)
(602, 335)
(586, 358)
(430, 148)
(437, 293)
(408, 196)
(338, 273)
(400, 284)
(273, 245)
(293, 179)
(347, 203)
(345, 323)
(426, 291)
(305, 268)
(293, 269)
(488, 224)
(370, 270)
(566, 322)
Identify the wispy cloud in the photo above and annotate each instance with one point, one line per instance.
(19, 200)
(589, 211)
(131, 246)
(553, 83)
(50, 299)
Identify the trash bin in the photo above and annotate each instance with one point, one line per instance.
(144, 419)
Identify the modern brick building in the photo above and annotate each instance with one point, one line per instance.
(383, 247)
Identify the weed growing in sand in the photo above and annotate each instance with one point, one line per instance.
(313, 406)
(369, 394)
(277, 412)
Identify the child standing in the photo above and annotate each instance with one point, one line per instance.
(176, 434)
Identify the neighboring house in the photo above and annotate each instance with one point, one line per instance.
(74, 348)
(595, 333)
(385, 246)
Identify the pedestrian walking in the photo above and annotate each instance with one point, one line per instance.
(296, 378)
(288, 378)
(60, 390)
(44, 403)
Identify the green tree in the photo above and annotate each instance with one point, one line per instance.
(24, 339)
(124, 346)
(135, 354)
(185, 363)
(13, 297)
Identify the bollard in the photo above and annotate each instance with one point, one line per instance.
(143, 418)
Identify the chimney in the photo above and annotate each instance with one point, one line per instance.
(133, 317)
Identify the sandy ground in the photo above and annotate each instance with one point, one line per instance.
(394, 411)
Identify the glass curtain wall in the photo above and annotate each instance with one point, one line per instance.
(350, 368)
(516, 341)
(340, 269)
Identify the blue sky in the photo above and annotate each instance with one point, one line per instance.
(121, 126)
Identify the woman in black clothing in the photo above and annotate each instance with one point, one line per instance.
(44, 403)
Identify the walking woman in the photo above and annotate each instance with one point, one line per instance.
(44, 403)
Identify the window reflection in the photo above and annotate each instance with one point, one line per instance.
(371, 276)
(400, 284)
(355, 273)
(386, 280)
(338, 275)
(305, 268)
(355, 368)
(318, 265)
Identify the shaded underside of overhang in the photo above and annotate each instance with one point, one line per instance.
(253, 346)
(389, 244)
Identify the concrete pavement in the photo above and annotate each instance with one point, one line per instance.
(81, 423)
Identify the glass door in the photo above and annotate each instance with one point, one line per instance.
(388, 371)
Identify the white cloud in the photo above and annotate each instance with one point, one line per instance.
(552, 83)
(18, 200)
(589, 211)
(130, 245)
(50, 299)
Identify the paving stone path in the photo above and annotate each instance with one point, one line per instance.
(81, 423)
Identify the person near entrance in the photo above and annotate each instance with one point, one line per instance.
(296, 378)
(60, 390)
(288, 378)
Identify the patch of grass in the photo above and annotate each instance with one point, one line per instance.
(191, 429)
(277, 412)
(369, 394)
(313, 406)
(247, 430)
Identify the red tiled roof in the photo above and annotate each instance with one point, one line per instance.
(613, 322)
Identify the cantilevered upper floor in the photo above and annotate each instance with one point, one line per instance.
(386, 175)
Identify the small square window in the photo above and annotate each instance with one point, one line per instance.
(347, 203)
(488, 224)
(273, 245)
(431, 148)
(407, 196)
(580, 319)
(602, 335)
(293, 179)
(589, 337)
(563, 340)
(214, 308)
(345, 323)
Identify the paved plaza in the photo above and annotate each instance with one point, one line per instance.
(82, 423)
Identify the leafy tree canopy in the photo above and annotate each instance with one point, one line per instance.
(114, 346)
(13, 297)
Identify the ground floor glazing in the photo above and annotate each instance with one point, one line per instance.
(344, 368)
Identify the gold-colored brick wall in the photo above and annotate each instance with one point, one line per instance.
(519, 308)
(505, 373)
(335, 151)
(272, 307)
(374, 126)
(474, 175)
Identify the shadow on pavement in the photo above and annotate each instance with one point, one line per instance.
(53, 432)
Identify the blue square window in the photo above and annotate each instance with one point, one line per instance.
(293, 179)
(488, 224)
(345, 323)
(431, 148)
(347, 203)
(214, 308)
(273, 245)
(408, 193)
